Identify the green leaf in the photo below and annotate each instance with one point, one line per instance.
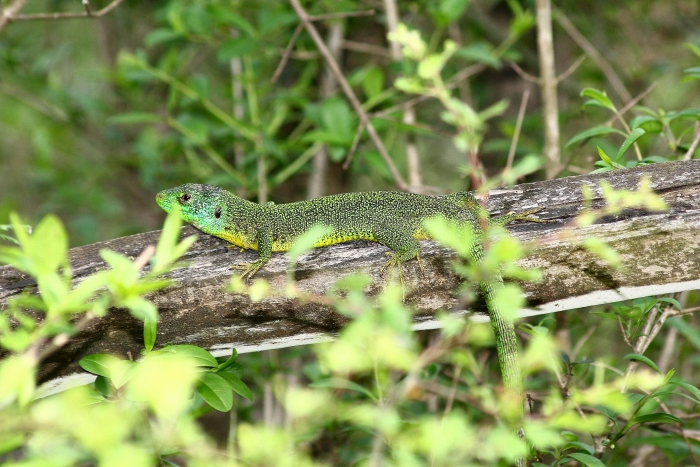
(167, 240)
(460, 239)
(201, 356)
(336, 117)
(215, 391)
(629, 141)
(11, 441)
(593, 132)
(160, 36)
(307, 241)
(134, 117)
(150, 332)
(226, 16)
(671, 301)
(688, 387)
(230, 361)
(373, 82)
(97, 363)
(695, 49)
(103, 386)
(235, 383)
(121, 266)
(580, 446)
(17, 378)
(599, 97)
(448, 11)
(660, 417)
(119, 371)
(140, 308)
(340, 383)
(648, 123)
(604, 157)
(479, 52)
(586, 459)
(494, 110)
(236, 47)
(641, 358)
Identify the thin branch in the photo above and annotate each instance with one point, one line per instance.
(696, 141)
(516, 134)
(409, 114)
(571, 69)
(548, 88)
(592, 52)
(287, 53)
(353, 147)
(453, 391)
(524, 74)
(631, 104)
(10, 12)
(88, 9)
(579, 345)
(51, 16)
(349, 93)
(624, 333)
(342, 14)
(316, 185)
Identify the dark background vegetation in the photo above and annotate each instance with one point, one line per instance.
(62, 85)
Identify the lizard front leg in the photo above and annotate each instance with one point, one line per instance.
(264, 238)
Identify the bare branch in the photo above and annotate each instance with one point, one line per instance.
(349, 93)
(287, 53)
(696, 140)
(51, 16)
(409, 114)
(592, 52)
(548, 87)
(516, 134)
(316, 185)
(10, 11)
(571, 69)
(342, 14)
(631, 104)
(353, 147)
(524, 74)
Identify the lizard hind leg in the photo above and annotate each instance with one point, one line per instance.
(404, 247)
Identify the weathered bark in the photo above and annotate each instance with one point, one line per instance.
(660, 253)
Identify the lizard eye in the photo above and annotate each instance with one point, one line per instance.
(217, 212)
(185, 197)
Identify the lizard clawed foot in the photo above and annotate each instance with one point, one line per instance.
(391, 263)
(521, 216)
(249, 269)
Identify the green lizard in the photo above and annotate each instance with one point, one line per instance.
(391, 218)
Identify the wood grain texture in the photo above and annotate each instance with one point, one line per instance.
(660, 253)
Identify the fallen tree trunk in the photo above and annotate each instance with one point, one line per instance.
(659, 251)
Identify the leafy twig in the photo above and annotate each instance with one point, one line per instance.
(349, 93)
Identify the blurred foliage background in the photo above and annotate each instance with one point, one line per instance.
(91, 129)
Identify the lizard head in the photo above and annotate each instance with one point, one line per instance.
(200, 205)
